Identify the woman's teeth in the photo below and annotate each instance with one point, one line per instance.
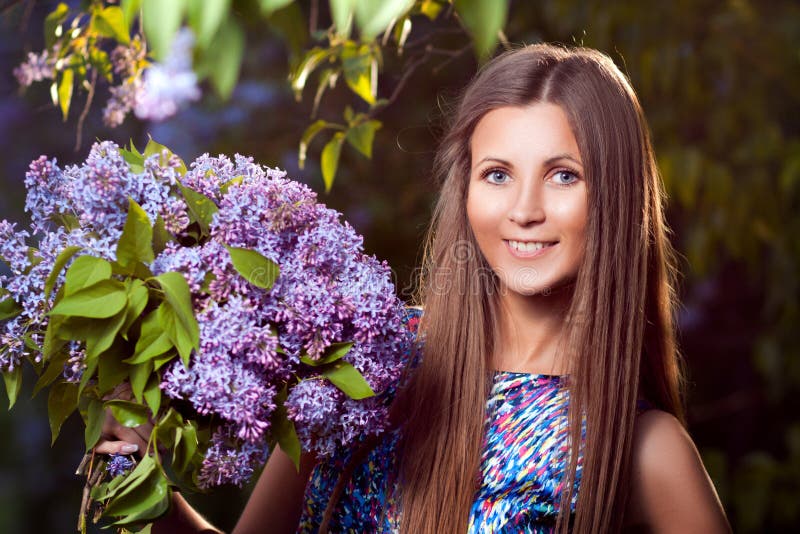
(530, 246)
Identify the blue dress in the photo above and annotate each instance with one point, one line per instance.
(524, 459)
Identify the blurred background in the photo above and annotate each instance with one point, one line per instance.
(720, 84)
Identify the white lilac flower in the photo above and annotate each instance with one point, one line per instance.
(168, 86)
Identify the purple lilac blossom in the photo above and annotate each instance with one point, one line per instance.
(118, 465)
(36, 68)
(251, 340)
(171, 84)
(230, 462)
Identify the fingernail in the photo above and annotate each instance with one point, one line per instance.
(129, 448)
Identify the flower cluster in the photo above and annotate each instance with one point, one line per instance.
(119, 465)
(261, 346)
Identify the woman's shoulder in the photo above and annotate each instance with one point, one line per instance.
(669, 484)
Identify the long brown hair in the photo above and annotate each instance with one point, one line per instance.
(621, 348)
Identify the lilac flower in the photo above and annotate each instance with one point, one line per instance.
(169, 85)
(315, 406)
(229, 462)
(251, 339)
(124, 97)
(76, 364)
(119, 465)
(35, 69)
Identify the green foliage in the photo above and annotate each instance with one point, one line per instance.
(347, 378)
(175, 314)
(484, 20)
(127, 413)
(284, 430)
(135, 243)
(13, 381)
(255, 268)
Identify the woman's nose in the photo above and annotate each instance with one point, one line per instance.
(527, 207)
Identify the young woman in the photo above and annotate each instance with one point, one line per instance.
(546, 395)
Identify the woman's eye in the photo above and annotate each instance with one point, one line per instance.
(496, 176)
(565, 178)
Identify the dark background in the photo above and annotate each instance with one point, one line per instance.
(720, 84)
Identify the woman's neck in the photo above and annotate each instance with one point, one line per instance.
(530, 329)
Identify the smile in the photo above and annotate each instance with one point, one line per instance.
(529, 249)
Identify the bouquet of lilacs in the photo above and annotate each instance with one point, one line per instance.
(236, 311)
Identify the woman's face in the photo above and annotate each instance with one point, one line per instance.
(527, 199)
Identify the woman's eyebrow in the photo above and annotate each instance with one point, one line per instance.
(551, 160)
(496, 160)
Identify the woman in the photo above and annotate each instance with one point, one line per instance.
(546, 396)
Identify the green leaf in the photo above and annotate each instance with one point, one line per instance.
(65, 86)
(160, 236)
(330, 159)
(152, 393)
(185, 447)
(374, 17)
(9, 309)
(201, 208)
(13, 380)
(128, 413)
(125, 483)
(84, 272)
(334, 352)
(347, 378)
(154, 147)
(161, 21)
(55, 367)
(130, 10)
(110, 22)
(139, 375)
(138, 295)
(103, 299)
(310, 62)
(61, 402)
(94, 422)
(53, 22)
(153, 340)
(178, 336)
(88, 373)
(111, 371)
(205, 18)
(134, 159)
(360, 70)
(76, 328)
(342, 15)
(141, 499)
(103, 334)
(362, 135)
(185, 334)
(61, 261)
(255, 268)
(483, 20)
(284, 431)
(307, 137)
(223, 58)
(135, 243)
(270, 6)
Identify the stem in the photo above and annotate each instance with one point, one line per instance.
(85, 110)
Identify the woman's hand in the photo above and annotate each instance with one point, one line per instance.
(118, 439)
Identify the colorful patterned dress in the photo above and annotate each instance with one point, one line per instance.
(522, 465)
